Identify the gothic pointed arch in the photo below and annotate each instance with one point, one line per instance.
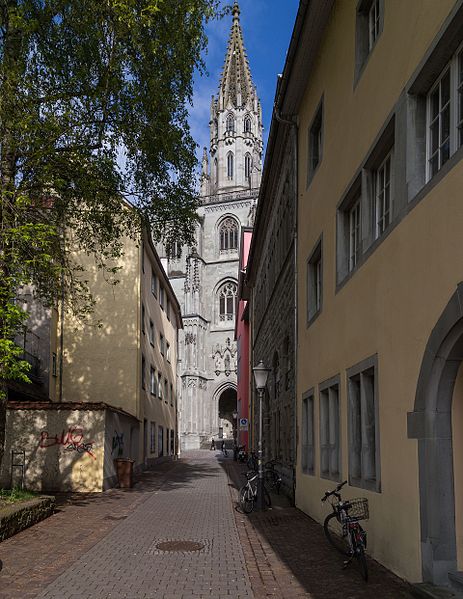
(226, 302)
(247, 124)
(247, 165)
(230, 165)
(230, 123)
(228, 231)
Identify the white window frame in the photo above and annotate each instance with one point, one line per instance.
(355, 233)
(374, 22)
(160, 390)
(330, 441)
(153, 389)
(455, 108)
(308, 434)
(383, 196)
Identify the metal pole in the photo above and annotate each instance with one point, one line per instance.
(260, 467)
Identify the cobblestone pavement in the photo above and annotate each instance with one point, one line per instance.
(105, 546)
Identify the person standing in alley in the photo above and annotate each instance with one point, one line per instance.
(213, 443)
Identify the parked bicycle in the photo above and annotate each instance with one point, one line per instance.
(252, 461)
(271, 476)
(342, 528)
(248, 493)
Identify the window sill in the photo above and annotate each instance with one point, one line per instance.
(314, 317)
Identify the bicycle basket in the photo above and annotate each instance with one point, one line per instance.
(358, 508)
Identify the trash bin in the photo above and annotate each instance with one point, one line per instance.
(124, 470)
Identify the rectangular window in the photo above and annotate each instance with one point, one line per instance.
(154, 283)
(153, 389)
(166, 390)
(161, 344)
(329, 432)
(355, 237)
(143, 318)
(439, 124)
(373, 23)
(168, 351)
(314, 282)
(168, 310)
(172, 442)
(152, 437)
(143, 366)
(308, 460)
(363, 426)
(151, 333)
(161, 296)
(54, 369)
(315, 142)
(171, 395)
(160, 441)
(160, 386)
(383, 198)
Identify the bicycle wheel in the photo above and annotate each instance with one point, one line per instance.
(333, 532)
(273, 480)
(362, 561)
(246, 499)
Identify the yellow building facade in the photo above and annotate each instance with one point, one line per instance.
(376, 89)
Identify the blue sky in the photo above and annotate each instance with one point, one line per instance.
(267, 26)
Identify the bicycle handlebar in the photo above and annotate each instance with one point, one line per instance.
(335, 492)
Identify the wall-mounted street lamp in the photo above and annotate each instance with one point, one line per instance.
(260, 379)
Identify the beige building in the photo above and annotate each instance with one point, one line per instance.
(376, 90)
(113, 386)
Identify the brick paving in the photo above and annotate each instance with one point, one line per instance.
(106, 546)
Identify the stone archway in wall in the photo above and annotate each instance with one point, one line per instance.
(226, 404)
(431, 424)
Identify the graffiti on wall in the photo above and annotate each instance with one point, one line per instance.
(118, 443)
(71, 440)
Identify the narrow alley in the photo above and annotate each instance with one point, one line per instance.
(177, 535)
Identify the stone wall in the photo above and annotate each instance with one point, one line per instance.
(15, 518)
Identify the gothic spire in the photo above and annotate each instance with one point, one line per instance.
(236, 86)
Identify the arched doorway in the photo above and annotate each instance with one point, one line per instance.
(227, 410)
(431, 424)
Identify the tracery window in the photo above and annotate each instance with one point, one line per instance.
(228, 235)
(230, 125)
(247, 124)
(230, 165)
(247, 166)
(227, 302)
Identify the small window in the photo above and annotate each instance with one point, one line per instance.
(171, 395)
(154, 284)
(230, 125)
(166, 390)
(307, 435)
(172, 442)
(151, 333)
(439, 127)
(247, 124)
(314, 282)
(162, 296)
(160, 441)
(161, 344)
(168, 351)
(383, 197)
(363, 426)
(247, 166)
(168, 310)
(369, 25)
(315, 143)
(354, 234)
(329, 433)
(228, 233)
(373, 23)
(143, 368)
(230, 165)
(143, 318)
(152, 437)
(54, 369)
(153, 389)
(227, 302)
(160, 386)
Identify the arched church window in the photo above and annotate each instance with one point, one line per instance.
(247, 166)
(228, 235)
(227, 302)
(230, 125)
(230, 165)
(247, 124)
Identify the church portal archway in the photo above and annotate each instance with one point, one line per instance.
(227, 407)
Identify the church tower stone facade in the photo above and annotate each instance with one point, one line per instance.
(205, 276)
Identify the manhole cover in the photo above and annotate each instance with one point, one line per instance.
(179, 546)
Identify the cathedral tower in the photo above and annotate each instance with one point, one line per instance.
(205, 277)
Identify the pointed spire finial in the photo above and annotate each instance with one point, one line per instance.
(236, 11)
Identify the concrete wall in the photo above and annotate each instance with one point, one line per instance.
(391, 303)
(64, 449)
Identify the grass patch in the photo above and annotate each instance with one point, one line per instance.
(8, 497)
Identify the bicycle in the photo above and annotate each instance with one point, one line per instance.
(252, 461)
(248, 493)
(271, 476)
(342, 528)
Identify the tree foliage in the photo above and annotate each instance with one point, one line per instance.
(86, 85)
